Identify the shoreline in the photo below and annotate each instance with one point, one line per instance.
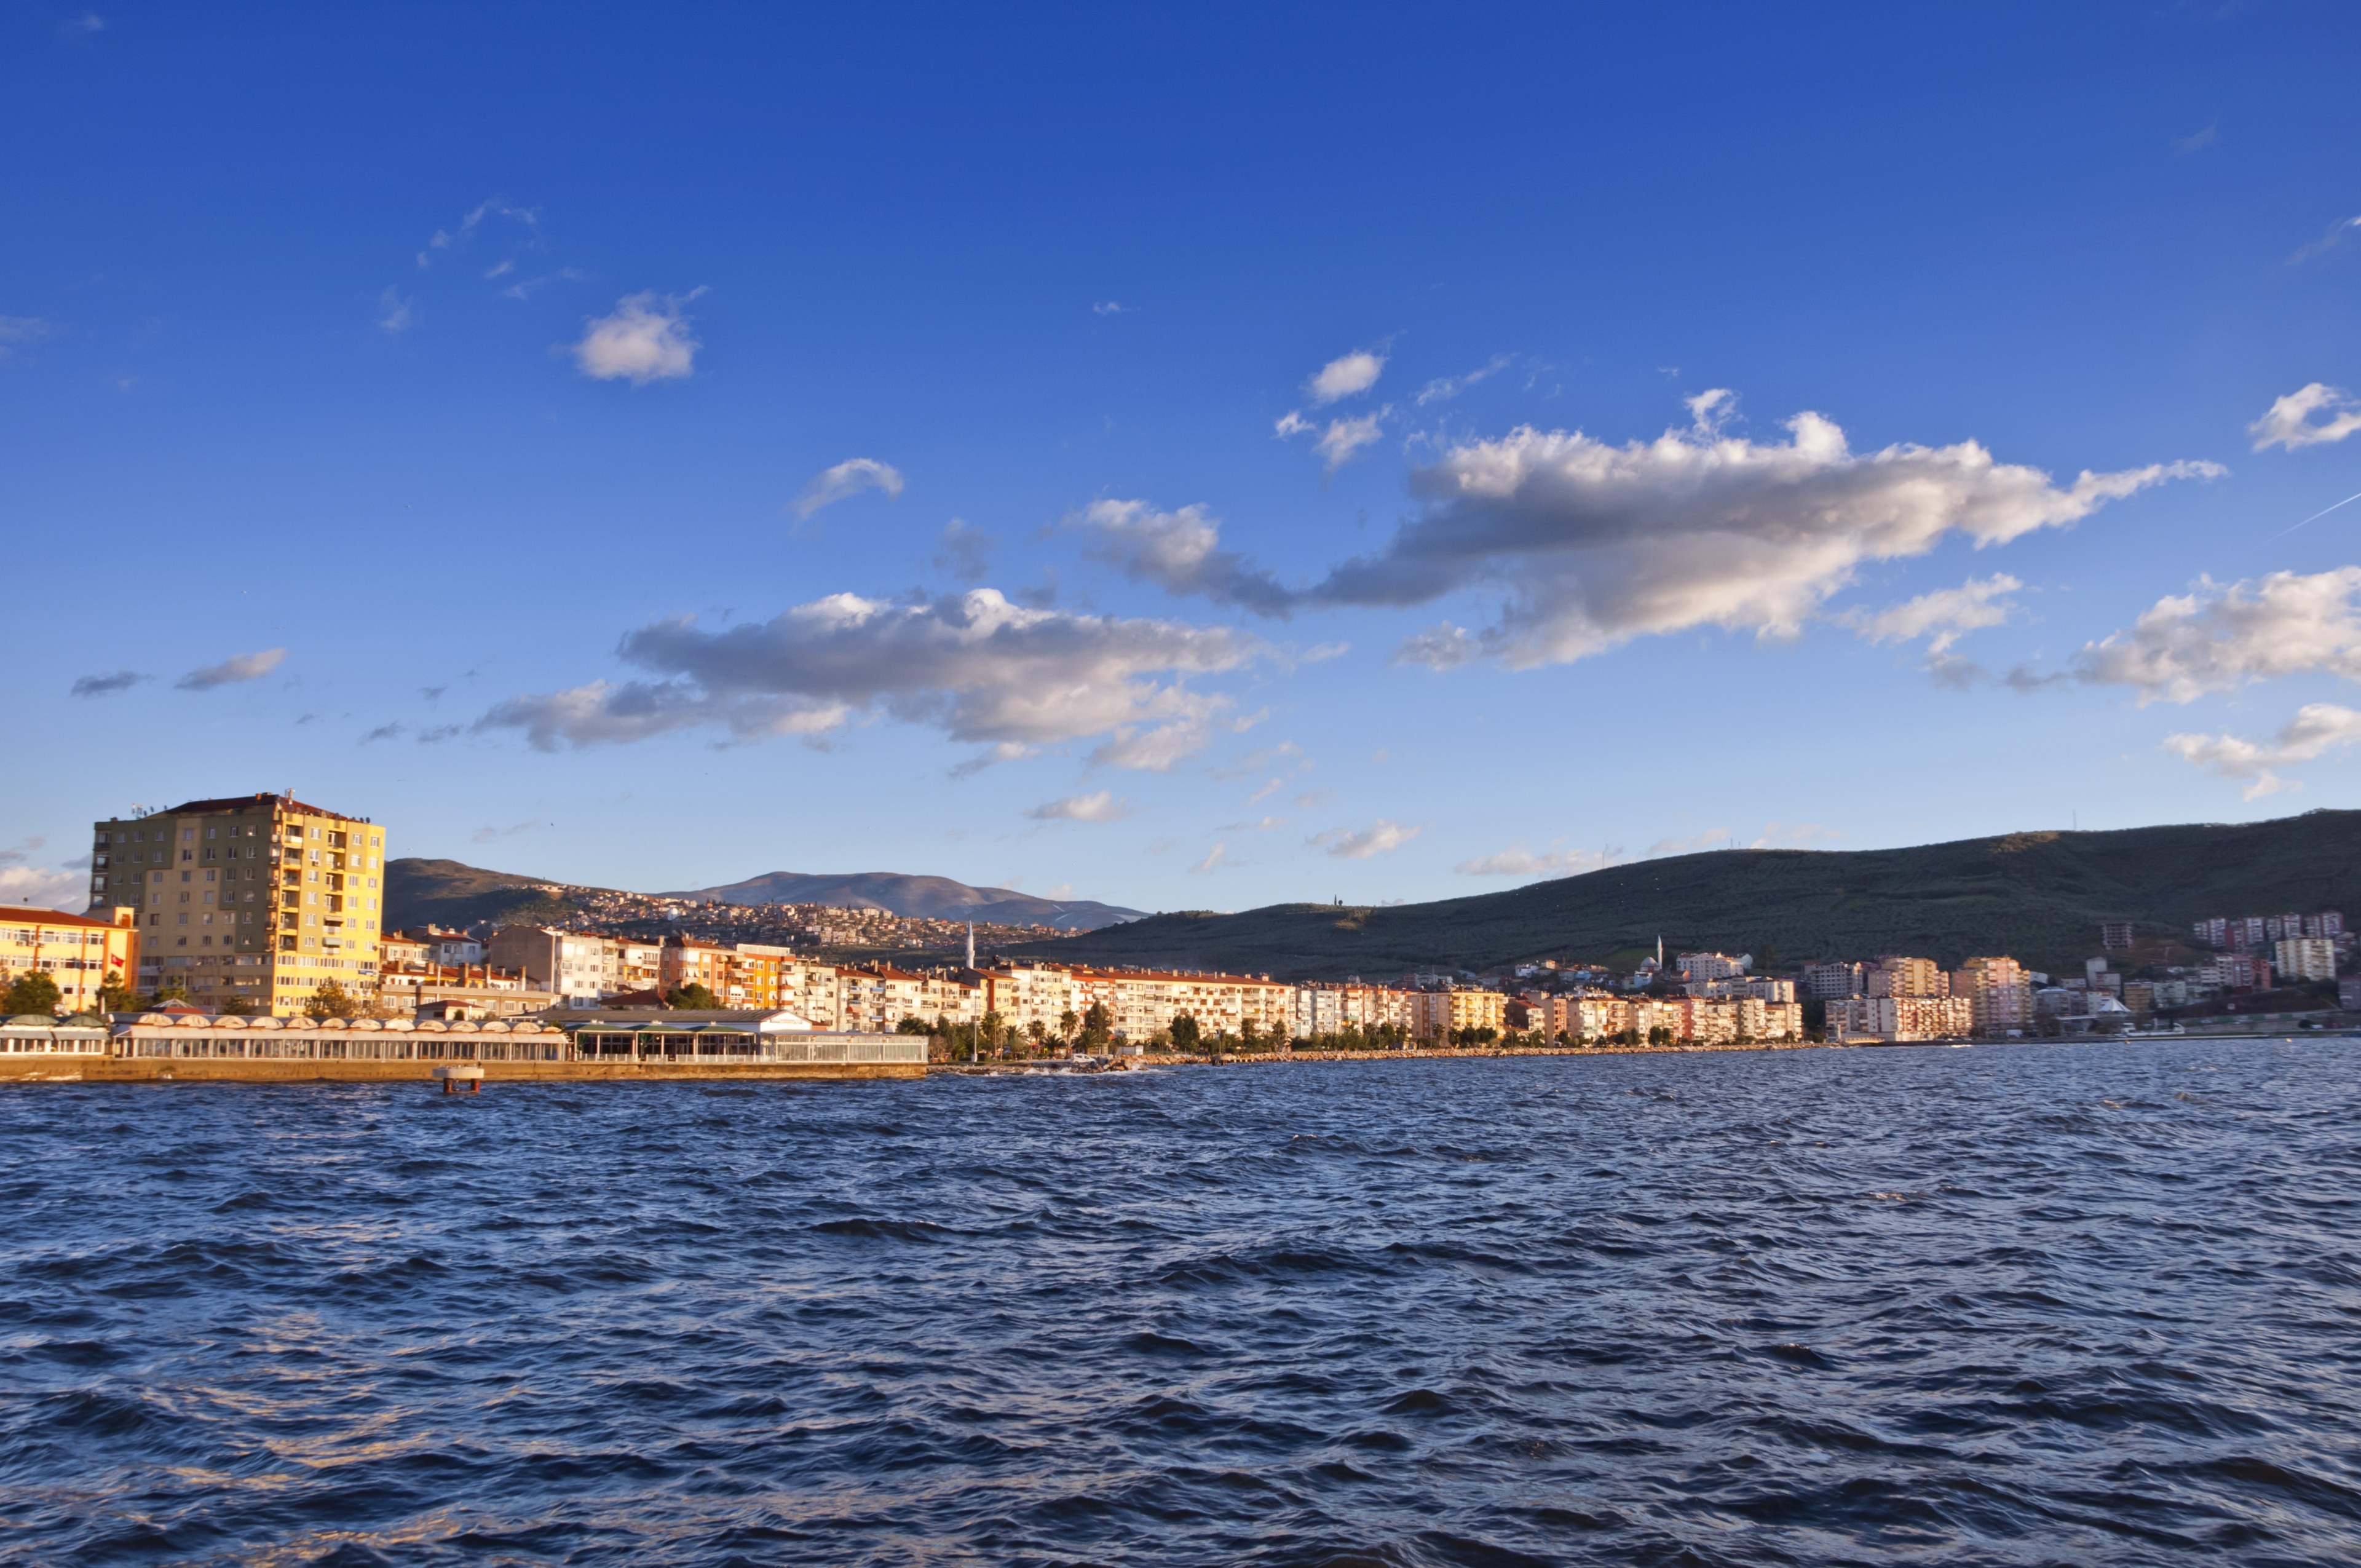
(232, 1069)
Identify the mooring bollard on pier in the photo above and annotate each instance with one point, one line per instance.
(453, 1076)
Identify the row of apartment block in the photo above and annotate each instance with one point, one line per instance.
(2250, 933)
(1699, 1019)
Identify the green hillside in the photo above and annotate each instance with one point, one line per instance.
(2037, 896)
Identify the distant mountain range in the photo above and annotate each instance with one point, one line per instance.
(447, 893)
(2039, 897)
(930, 898)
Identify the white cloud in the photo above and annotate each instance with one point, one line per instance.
(1775, 833)
(2317, 729)
(25, 329)
(1162, 748)
(1345, 436)
(1102, 807)
(992, 757)
(2338, 232)
(1711, 839)
(43, 887)
(2288, 421)
(643, 340)
(1942, 617)
(2199, 141)
(491, 207)
(973, 665)
(1179, 552)
(1262, 756)
(1112, 308)
(1260, 825)
(1211, 859)
(1341, 438)
(1444, 387)
(2217, 639)
(1344, 376)
(230, 671)
(1518, 860)
(395, 315)
(849, 478)
(1380, 837)
(1594, 545)
(82, 26)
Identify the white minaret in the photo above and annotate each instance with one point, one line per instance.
(970, 943)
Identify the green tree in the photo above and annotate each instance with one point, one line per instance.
(330, 1001)
(241, 1007)
(1186, 1036)
(692, 998)
(1067, 1024)
(989, 1030)
(171, 990)
(913, 1025)
(117, 997)
(1097, 1028)
(1038, 1033)
(32, 992)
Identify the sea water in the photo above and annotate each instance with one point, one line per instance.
(2090, 1304)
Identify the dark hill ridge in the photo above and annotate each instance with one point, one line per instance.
(2038, 896)
(447, 893)
(930, 898)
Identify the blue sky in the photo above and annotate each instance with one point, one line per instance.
(1194, 459)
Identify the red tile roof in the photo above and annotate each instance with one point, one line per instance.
(26, 912)
(241, 802)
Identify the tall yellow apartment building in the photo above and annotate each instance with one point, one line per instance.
(256, 897)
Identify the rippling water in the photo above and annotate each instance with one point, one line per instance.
(2015, 1304)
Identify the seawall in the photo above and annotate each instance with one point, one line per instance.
(203, 1070)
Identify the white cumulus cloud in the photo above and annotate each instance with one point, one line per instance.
(1345, 437)
(230, 671)
(1179, 550)
(2289, 422)
(1444, 387)
(395, 315)
(2317, 729)
(1380, 837)
(973, 665)
(1344, 376)
(2217, 639)
(43, 887)
(1942, 617)
(1592, 544)
(849, 478)
(645, 339)
(1102, 807)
